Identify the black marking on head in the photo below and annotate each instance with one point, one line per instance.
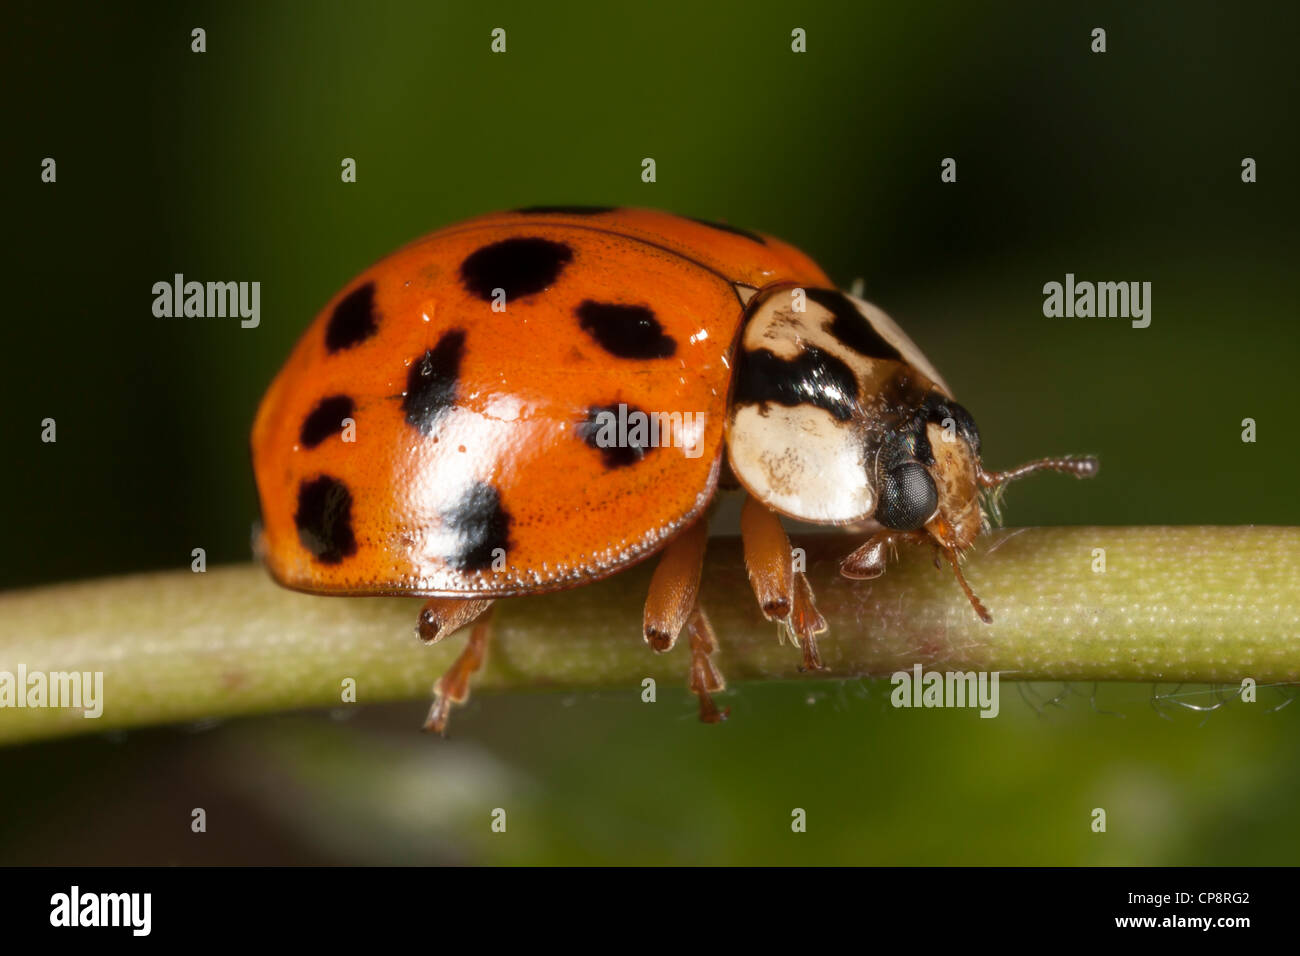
(594, 428)
(906, 439)
(565, 210)
(326, 419)
(851, 327)
(901, 399)
(919, 446)
(324, 519)
(521, 266)
(908, 497)
(481, 525)
(903, 408)
(734, 230)
(813, 377)
(431, 382)
(937, 407)
(627, 331)
(353, 320)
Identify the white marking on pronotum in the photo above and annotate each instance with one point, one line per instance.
(800, 461)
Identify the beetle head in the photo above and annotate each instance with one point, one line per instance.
(929, 478)
(927, 474)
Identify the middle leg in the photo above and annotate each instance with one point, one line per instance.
(673, 603)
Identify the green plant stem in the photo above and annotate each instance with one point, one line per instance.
(1196, 604)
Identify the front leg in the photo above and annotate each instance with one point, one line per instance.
(869, 560)
(783, 594)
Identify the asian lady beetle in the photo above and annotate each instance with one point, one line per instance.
(441, 428)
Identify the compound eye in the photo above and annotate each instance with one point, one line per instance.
(908, 498)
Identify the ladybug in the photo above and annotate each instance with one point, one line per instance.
(537, 399)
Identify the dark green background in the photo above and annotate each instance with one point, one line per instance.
(225, 165)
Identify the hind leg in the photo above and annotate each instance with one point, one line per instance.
(438, 618)
(783, 594)
(706, 679)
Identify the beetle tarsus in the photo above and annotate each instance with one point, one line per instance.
(783, 594)
(453, 686)
(706, 679)
(805, 623)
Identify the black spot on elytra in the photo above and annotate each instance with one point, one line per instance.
(814, 377)
(851, 327)
(431, 382)
(628, 331)
(594, 431)
(565, 210)
(481, 526)
(734, 230)
(326, 419)
(521, 266)
(353, 320)
(324, 519)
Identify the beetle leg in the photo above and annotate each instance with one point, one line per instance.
(441, 616)
(767, 559)
(805, 623)
(705, 677)
(869, 560)
(453, 686)
(675, 587)
(783, 594)
(673, 603)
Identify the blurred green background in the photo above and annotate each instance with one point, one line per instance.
(225, 165)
